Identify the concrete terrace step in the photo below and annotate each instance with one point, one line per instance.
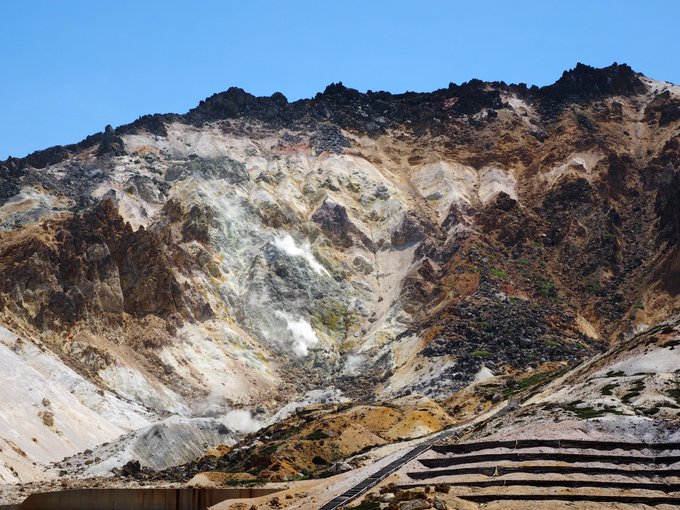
(550, 456)
(453, 458)
(504, 470)
(553, 443)
(595, 484)
(644, 471)
(609, 498)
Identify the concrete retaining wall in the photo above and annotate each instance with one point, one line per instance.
(137, 499)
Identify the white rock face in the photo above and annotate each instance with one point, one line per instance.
(446, 184)
(494, 180)
(274, 287)
(449, 183)
(134, 386)
(578, 165)
(49, 412)
(168, 443)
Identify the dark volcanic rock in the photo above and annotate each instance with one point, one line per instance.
(328, 138)
(617, 171)
(7, 190)
(236, 102)
(473, 96)
(334, 222)
(371, 113)
(585, 82)
(507, 220)
(111, 144)
(663, 110)
(225, 168)
(569, 193)
(153, 124)
(667, 208)
(408, 233)
(510, 332)
(132, 468)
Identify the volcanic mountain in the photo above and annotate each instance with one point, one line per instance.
(404, 262)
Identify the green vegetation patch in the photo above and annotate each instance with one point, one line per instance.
(316, 435)
(498, 273)
(481, 353)
(630, 396)
(606, 390)
(326, 474)
(529, 382)
(674, 392)
(634, 391)
(547, 289)
(246, 483)
(588, 412)
(268, 450)
(367, 448)
(618, 373)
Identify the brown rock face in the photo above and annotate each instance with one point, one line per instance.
(88, 265)
(668, 209)
(147, 281)
(504, 218)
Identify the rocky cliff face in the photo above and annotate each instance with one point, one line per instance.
(253, 249)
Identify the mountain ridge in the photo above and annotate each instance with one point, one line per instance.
(582, 81)
(440, 250)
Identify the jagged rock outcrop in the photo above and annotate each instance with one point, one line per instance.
(585, 82)
(111, 143)
(91, 264)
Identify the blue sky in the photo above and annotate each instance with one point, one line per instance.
(71, 67)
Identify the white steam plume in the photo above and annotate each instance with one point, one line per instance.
(238, 420)
(303, 334)
(241, 421)
(288, 245)
(353, 362)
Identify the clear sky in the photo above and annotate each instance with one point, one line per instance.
(70, 67)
